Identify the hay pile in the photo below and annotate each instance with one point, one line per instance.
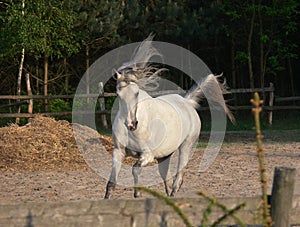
(44, 144)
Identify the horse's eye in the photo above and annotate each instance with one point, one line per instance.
(119, 88)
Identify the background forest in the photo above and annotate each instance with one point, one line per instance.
(253, 42)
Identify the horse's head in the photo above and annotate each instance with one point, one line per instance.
(128, 92)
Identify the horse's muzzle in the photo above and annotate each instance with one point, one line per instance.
(132, 125)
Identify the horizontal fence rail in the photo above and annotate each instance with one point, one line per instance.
(286, 99)
(95, 95)
(24, 100)
(53, 114)
(251, 90)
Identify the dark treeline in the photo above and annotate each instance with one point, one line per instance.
(252, 42)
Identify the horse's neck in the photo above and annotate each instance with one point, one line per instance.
(143, 95)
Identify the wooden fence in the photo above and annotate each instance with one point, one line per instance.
(27, 99)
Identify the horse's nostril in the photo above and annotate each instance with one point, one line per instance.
(133, 126)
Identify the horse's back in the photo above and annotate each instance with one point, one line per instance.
(185, 110)
(180, 118)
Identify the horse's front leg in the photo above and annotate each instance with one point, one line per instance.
(118, 156)
(144, 158)
(136, 171)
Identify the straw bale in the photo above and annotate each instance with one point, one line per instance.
(44, 144)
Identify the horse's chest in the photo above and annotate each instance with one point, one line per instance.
(161, 134)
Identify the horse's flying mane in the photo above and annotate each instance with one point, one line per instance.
(140, 68)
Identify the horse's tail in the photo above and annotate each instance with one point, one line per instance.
(213, 90)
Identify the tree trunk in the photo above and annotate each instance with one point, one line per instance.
(46, 63)
(20, 81)
(67, 78)
(87, 61)
(264, 52)
(37, 85)
(233, 66)
(261, 51)
(291, 74)
(250, 45)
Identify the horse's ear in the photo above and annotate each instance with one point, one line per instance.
(118, 75)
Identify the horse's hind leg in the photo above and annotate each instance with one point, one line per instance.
(184, 154)
(136, 171)
(163, 168)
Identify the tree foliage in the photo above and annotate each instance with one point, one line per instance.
(275, 24)
(217, 31)
(97, 22)
(43, 28)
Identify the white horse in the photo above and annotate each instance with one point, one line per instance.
(154, 128)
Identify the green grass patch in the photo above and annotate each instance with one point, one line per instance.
(282, 120)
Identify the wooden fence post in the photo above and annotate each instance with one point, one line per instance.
(271, 102)
(282, 195)
(29, 92)
(102, 105)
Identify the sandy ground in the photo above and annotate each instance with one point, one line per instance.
(44, 166)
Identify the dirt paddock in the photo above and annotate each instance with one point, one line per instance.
(41, 162)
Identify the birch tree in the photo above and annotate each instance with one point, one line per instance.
(20, 68)
(43, 28)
